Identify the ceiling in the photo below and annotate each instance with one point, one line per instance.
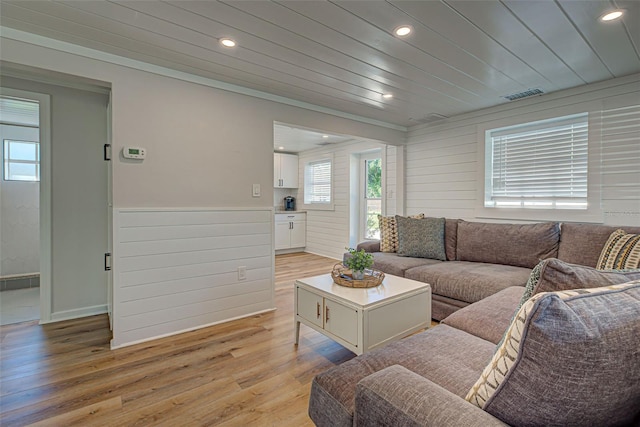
(461, 56)
(289, 139)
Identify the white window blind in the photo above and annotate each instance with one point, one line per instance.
(317, 182)
(621, 157)
(539, 164)
(19, 112)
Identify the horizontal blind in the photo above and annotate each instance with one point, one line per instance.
(317, 182)
(621, 154)
(19, 112)
(540, 164)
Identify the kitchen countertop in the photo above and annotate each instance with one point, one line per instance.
(279, 211)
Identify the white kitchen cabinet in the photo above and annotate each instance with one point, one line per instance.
(291, 231)
(285, 170)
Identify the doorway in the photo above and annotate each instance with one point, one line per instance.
(20, 271)
(75, 230)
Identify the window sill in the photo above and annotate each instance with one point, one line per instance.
(558, 215)
(319, 207)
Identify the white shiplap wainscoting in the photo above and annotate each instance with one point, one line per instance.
(444, 173)
(176, 270)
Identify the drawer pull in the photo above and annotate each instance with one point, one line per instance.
(326, 315)
(318, 310)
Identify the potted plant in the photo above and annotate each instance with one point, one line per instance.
(358, 262)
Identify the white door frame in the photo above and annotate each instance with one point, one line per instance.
(45, 195)
(369, 155)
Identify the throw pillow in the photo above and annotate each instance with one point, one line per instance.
(555, 366)
(622, 251)
(389, 232)
(421, 238)
(556, 275)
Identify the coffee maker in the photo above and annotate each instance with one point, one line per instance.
(289, 203)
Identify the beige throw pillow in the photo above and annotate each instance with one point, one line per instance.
(389, 232)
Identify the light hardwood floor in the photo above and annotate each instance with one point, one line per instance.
(245, 372)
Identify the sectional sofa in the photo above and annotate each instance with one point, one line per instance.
(562, 351)
(484, 258)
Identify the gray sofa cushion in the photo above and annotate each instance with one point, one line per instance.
(421, 238)
(451, 238)
(488, 318)
(434, 354)
(396, 265)
(570, 358)
(522, 245)
(395, 396)
(469, 281)
(583, 243)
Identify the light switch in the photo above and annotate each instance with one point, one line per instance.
(256, 190)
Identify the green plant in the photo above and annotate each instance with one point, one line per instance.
(359, 260)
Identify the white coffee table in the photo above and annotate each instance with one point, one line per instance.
(362, 319)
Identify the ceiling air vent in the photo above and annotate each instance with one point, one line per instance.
(526, 93)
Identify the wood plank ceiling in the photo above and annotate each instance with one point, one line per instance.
(461, 56)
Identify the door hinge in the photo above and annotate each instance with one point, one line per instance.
(107, 152)
(107, 261)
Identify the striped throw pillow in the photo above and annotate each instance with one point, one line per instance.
(622, 251)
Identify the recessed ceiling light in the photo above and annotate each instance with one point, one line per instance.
(325, 136)
(403, 30)
(612, 16)
(387, 95)
(280, 148)
(226, 42)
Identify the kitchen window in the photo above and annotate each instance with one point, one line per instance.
(318, 183)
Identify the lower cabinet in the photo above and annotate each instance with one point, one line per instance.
(291, 231)
(338, 319)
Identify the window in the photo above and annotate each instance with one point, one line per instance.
(371, 196)
(538, 165)
(317, 182)
(21, 160)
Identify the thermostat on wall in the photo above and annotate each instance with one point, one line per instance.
(134, 153)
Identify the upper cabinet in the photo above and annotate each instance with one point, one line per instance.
(285, 170)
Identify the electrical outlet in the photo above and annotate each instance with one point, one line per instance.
(242, 272)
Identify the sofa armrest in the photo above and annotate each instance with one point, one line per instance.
(395, 396)
(369, 246)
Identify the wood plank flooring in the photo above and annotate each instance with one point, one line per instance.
(245, 372)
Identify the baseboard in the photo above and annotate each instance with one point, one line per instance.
(115, 346)
(76, 313)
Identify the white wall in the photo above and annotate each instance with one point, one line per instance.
(205, 146)
(442, 167)
(328, 231)
(19, 215)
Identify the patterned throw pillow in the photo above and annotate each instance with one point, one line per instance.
(622, 251)
(421, 238)
(389, 232)
(557, 355)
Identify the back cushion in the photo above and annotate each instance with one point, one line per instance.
(583, 243)
(521, 245)
(451, 237)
